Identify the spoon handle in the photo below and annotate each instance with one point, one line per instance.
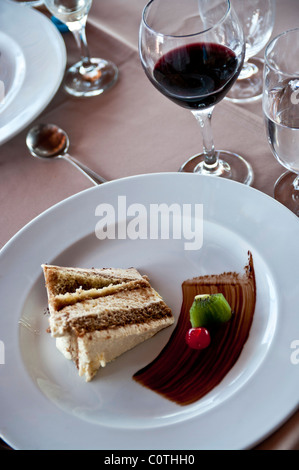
(94, 177)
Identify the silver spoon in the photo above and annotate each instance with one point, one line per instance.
(49, 141)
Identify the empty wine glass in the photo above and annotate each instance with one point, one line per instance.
(281, 110)
(192, 51)
(89, 76)
(257, 18)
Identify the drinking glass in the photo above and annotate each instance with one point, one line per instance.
(89, 76)
(192, 51)
(281, 110)
(257, 18)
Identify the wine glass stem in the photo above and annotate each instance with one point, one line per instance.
(205, 121)
(248, 70)
(80, 37)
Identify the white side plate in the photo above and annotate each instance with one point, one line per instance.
(32, 65)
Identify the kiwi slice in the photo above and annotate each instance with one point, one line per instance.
(209, 310)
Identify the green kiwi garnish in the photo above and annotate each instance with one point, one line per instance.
(209, 310)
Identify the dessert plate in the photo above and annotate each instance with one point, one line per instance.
(207, 227)
(32, 64)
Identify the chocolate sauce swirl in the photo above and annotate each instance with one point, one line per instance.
(184, 375)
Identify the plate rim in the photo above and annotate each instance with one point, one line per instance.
(79, 194)
(21, 124)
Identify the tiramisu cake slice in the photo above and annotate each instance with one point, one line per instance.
(98, 314)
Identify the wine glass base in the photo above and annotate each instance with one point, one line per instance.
(285, 192)
(249, 88)
(82, 81)
(230, 166)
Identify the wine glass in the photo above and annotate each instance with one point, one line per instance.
(257, 18)
(192, 51)
(89, 76)
(281, 110)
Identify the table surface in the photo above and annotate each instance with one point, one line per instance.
(119, 134)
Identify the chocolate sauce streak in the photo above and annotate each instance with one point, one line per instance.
(184, 375)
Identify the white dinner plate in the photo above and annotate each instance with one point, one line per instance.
(32, 65)
(44, 404)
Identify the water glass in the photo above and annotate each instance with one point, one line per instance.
(90, 76)
(281, 110)
(257, 18)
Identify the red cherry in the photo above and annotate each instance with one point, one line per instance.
(198, 338)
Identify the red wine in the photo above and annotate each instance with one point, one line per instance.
(198, 75)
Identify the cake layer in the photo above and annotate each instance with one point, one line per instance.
(67, 286)
(121, 308)
(62, 280)
(98, 314)
(63, 300)
(94, 350)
